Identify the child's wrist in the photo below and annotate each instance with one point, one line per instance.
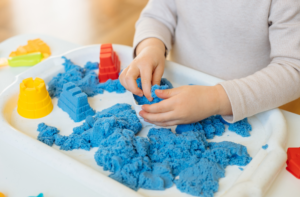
(224, 105)
(151, 42)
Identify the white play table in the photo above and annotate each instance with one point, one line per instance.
(21, 175)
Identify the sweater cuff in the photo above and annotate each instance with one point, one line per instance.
(235, 100)
(151, 28)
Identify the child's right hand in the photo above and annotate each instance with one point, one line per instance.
(149, 65)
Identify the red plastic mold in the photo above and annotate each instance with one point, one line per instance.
(109, 66)
(293, 161)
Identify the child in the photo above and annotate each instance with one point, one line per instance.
(254, 45)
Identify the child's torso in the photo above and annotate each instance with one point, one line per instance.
(214, 36)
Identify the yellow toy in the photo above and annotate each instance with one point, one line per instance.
(34, 100)
(2, 195)
(33, 46)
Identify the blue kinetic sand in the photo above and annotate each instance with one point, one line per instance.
(85, 78)
(165, 84)
(73, 101)
(154, 162)
(94, 129)
(241, 127)
(47, 134)
(210, 127)
(265, 146)
(112, 86)
(214, 125)
(150, 162)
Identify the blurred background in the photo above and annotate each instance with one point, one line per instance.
(79, 21)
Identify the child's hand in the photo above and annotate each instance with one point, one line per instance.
(148, 64)
(187, 104)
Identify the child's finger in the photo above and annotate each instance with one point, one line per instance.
(122, 77)
(146, 76)
(166, 124)
(157, 75)
(130, 78)
(163, 106)
(165, 94)
(159, 117)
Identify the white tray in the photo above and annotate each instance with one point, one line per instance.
(268, 128)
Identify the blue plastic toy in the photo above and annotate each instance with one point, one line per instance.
(40, 195)
(73, 101)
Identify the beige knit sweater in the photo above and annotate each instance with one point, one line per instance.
(253, 44)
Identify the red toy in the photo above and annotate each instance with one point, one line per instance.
(293, 162)
(109, 66)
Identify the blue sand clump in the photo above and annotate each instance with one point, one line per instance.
(200, 179)
(83, 77)
(116, 118)
(89, 66)
(164, 84)
(241, 127)
(112, 86)
(214, 125)
(210, 127)
(154, 161)
(265, 146)
(47, 134)
(242, 169)
(73, 101)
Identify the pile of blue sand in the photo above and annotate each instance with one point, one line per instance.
(85, 78)
(94, 129)
(241, 127)
(154, 162)
(73, 101)
(214, 125)
(164, 84)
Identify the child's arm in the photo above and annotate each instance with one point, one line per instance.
(268, 88)
(149, 65)
(152, 41)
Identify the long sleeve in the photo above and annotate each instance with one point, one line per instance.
(157, 20)
(279, 82)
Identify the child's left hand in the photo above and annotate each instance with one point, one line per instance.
(187, 104)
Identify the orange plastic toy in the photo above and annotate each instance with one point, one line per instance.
(2, 195)
(109, 66)
(34, 100)
(293, 162)
(33, 46)
(3, 62)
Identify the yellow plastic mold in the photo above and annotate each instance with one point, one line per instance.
(34, 100)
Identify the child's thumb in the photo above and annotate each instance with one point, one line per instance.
(165, 94)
